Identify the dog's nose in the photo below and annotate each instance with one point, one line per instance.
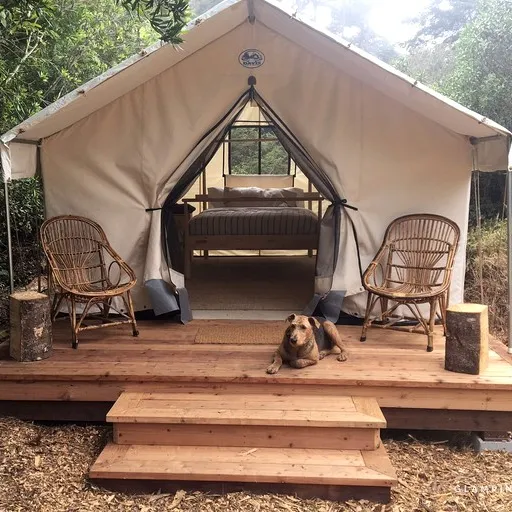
(293, 341)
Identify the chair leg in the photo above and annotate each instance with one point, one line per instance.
(443, 304)
(74, 330)
(106, 309)
(431, 324)
(383, 308)
(132, 313)
(57, 301)
(366, 317)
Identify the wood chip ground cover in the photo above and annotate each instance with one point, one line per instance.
(44, 468)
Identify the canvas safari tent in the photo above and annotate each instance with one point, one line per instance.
(131, 141)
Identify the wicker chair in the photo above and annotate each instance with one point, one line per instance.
(85, 270)
(413, 266)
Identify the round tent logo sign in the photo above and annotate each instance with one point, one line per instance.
(251, 58)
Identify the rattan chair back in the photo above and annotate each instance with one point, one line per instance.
(80, 257)
(419, 251)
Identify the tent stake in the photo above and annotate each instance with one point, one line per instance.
(9, 239)
(509, 253)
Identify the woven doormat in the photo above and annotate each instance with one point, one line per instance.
(269, 333)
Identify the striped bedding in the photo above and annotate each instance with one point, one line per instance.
(268, 220)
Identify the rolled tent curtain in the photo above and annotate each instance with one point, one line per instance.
(190, 168)
(325, 297)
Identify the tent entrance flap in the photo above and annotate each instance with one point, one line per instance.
(325, 299)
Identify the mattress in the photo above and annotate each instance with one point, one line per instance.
(268, 220)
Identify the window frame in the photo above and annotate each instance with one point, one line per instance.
(259, 126)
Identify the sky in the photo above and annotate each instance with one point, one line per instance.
(389, 18)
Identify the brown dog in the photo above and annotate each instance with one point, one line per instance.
(306, 341)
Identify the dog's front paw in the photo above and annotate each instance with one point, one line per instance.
(342, 357)
(321, 356)
(272, 369)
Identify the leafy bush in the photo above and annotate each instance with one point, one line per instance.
(27, 211)
(487, 254)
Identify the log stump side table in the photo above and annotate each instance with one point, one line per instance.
(467, 338)
(31, 326)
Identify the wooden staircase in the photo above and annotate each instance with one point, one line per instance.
(300, 444)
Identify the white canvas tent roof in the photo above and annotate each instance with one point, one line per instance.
(119, 144)
(152, 61)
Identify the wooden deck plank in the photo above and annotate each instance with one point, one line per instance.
(236, 409)
(328, 372)
(269, 401)
(255, 436)
(237, 464)
(391, 397)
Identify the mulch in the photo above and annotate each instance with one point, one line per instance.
(44, 468)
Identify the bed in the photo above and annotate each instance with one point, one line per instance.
(246, 218)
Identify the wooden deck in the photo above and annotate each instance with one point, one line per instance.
(410, 385)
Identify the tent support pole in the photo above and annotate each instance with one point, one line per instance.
(509, 253)
(9, 239)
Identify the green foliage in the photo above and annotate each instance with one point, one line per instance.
(483, 70)
(486, 272)
(441, 22)
(471, 64)
(26, 204)
(430, 64)
(66, 44)
(490, 187)
(253, 157)
(167, 17)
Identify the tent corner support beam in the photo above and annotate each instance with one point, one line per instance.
(26, 141)
(9, 238)
(476, 140)
(509, 256)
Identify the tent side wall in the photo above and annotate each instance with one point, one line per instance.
(382, 157)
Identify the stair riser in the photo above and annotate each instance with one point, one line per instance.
(252, 436)
(306, 491)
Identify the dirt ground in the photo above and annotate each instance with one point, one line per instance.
(44, 468)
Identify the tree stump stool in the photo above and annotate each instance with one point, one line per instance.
(31, 326)
(467, 338)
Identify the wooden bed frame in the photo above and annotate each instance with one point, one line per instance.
(247, 242)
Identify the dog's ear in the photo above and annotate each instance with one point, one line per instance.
(291, 318)
(313, 321)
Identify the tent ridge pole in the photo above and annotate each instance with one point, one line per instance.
(250, 8)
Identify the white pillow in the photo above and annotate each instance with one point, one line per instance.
(283, 197)
(291, 192)
(233, 192)
(216, 192)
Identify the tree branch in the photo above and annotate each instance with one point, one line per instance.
(28, 52)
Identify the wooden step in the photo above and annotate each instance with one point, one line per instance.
(270, 420)
(332, 469)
